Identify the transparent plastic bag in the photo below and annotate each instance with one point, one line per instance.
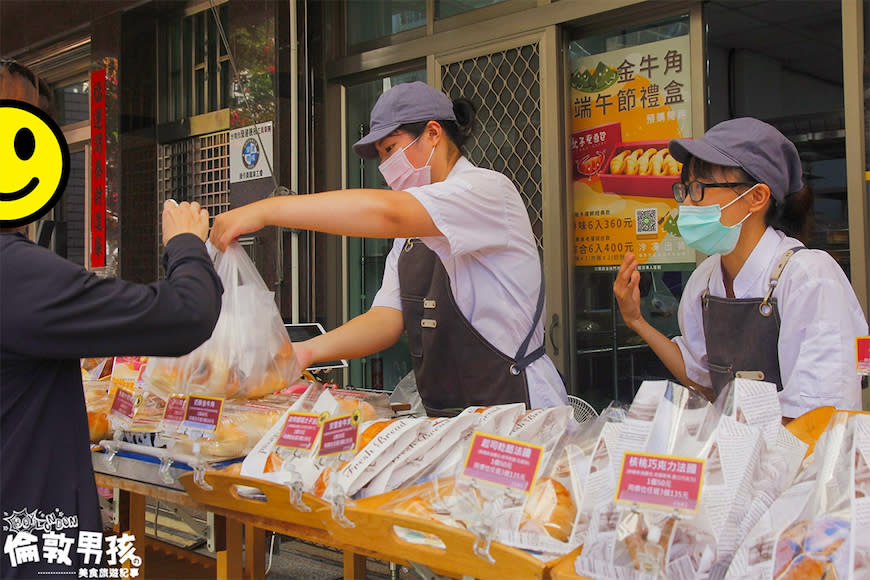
(249, 354)
(816, 528)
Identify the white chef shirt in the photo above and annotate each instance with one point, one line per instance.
(490, 254)
(820, 319)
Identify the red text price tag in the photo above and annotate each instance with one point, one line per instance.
(862, 344)
(502, 461)
(176, 407)
(660, 481)
(124, 404)
(203, 413)
(339, 434)
(300, 431)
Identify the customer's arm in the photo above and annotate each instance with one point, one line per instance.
(64, 311)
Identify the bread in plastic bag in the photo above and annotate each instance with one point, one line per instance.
(249, 354)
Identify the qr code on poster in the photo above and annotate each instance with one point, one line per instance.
(646, 221)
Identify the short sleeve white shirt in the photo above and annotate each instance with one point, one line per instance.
(490, 255)
(820, 319)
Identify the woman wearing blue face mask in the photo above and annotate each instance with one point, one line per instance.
(762, 304)
(463, 278)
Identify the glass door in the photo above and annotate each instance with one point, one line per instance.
(630, 94)
(755, 71)
(366, 256)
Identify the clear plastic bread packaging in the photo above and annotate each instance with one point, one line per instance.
(434, 501)
(379, 443)
(817, 527)
(95, 369)
(126, 370)
(240, 426)
(435, 438)
(550, 509)
(249, 354)
(539, 519)
(373, 412)
(365, 436)
(98, 403)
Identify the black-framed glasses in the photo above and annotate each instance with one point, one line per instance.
(694, 190)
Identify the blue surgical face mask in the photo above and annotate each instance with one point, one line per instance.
(701, 228)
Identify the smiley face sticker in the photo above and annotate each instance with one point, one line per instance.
(34, 163)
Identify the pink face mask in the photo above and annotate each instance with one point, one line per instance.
(400, 174)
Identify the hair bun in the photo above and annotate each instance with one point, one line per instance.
(466, 113)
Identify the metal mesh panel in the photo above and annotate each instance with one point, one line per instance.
(213, 172)
(505, 88)
(175, 176)
(195, 169)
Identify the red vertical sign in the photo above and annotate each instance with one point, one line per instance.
(98, 168)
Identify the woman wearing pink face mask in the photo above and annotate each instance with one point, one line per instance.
(762, 305)
(464, 276)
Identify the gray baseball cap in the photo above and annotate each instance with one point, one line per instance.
(756, 147)
(404, 103)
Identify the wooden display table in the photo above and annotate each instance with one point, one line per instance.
(274, 513)
(564, 569)
(243, 521)
(131, 511)
(376, 527)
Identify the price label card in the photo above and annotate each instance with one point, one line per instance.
(176, 407)
(503, 461)
(663, 482)
(862, 347)
(339, 434)
(203, 413)
(124, 404)
(300, 431)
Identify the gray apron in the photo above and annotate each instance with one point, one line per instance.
(455, 366)
(742, 334)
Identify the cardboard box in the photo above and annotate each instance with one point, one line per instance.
(641, 185)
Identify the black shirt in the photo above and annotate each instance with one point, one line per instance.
(52, 313)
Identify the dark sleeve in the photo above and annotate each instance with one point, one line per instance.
(56, 309)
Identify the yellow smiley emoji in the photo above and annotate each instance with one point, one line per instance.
(34, 163)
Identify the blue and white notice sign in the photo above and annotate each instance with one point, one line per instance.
(249, 149)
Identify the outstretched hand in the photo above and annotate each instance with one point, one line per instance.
(230, 225)
(626, 288)
(184, 218)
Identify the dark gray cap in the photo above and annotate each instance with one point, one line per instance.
(756, 147)
(404, 103)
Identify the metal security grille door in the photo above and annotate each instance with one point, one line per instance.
(175, 174)
(212, 162)
(195, 169)
(505, 87)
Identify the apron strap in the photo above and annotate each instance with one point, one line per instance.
(766, 308)
(522, 360)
